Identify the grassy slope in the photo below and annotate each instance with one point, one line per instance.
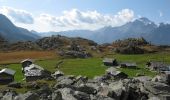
(93, 66)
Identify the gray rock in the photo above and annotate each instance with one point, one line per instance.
(77, 54)
(19, 97)
(67, 94)
(111, 70)
(10, 95)
(161, 90)
(71, 77)
(86, 89)
(80, 80)
(14, 85)
(57, 74)
(102, 78)
(1, 95)
(66, 82)
(160, 78)
(98, 97)
(84, 79)
(96, 86)
(143, 78)
(153, 98)
(44, 92)
(81, 95)
(30, 96)
(105, 91)
(118, 90)
(56, 95)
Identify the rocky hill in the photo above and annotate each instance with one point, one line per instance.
(46, 43)
(62, 41)
(130, 41)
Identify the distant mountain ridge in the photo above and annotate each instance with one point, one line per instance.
(13, 33)
(142, 27)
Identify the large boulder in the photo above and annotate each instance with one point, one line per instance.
(86, 89)
(80, 80)
(133, 90)
(67, 94)
(44, 92)
(118, 90)
(157, 89)
(143, 78)
(10, 95)
(30, 96)
(57, 74)
(14, 85)
(77, 54)
(102, 78)
(105, 91)
(56, 95)
(66, 81)
(111, 70)
(130, 50)
(81, 95)
(160, 78)
(99, 97)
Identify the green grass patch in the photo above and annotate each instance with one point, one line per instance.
(93, 66)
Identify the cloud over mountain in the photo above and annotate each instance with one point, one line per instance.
(87, 19)
(69, 20)
(17, 15)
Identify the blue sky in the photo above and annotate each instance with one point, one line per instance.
(59, 15)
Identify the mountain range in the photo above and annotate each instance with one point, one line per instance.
(142, 27)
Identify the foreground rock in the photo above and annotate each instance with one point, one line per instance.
(160, 90)
(105, 87)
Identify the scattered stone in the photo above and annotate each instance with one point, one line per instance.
(161, 90)
(9, 95)
(86, 89)
(109, 86)
(67, 94)
(14, 85)
(143, 78)
(57, 74)
(31, 96)
(81, 95)
(160, 78)
(56, 95)
(66, 81)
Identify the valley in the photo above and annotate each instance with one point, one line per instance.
(84, 50)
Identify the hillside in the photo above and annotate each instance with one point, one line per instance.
(13, 33)
(46, 43)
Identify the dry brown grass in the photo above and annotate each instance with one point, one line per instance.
(17, 56)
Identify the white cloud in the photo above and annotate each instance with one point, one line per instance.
(2, 0)
(76, 19)
(16, 15)
(69, 20)
(160, 13)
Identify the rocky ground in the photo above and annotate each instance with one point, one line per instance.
(105, 87)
